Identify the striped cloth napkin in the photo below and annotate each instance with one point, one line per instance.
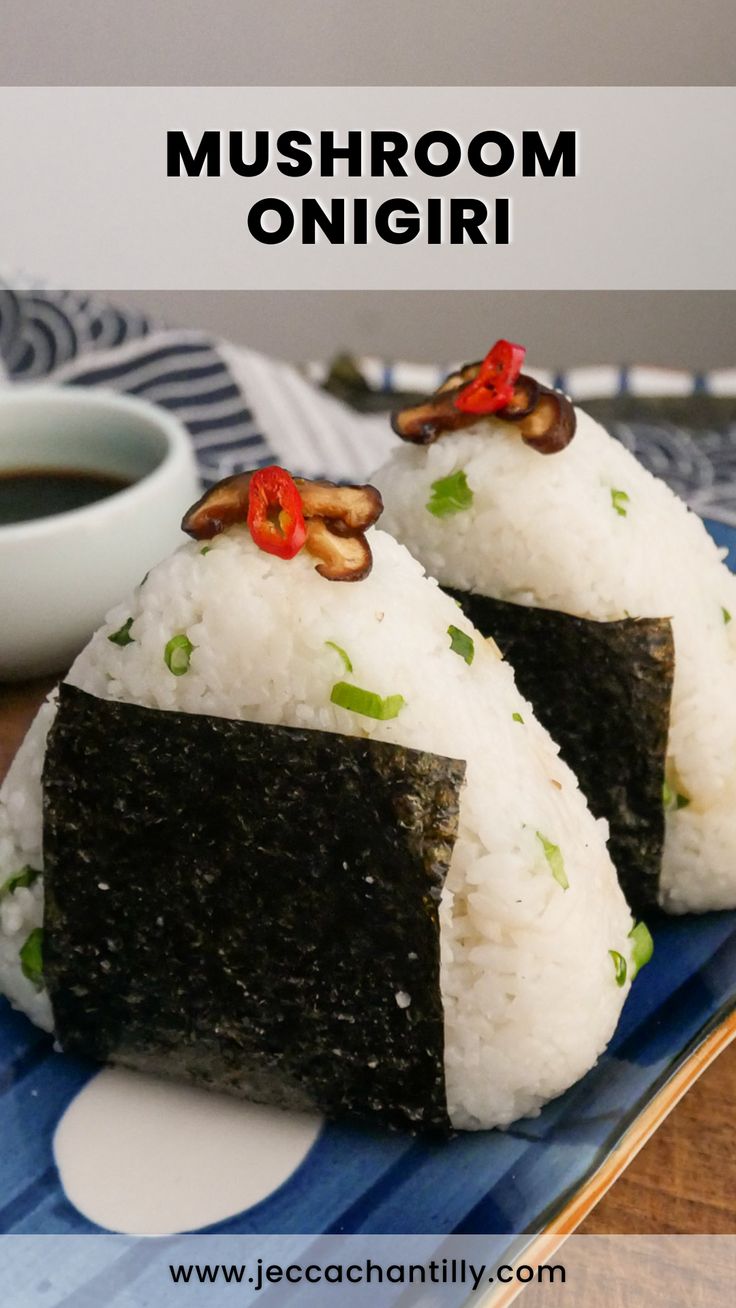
(241, 409)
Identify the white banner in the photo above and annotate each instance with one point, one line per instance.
(444, 187)
(367, 1271)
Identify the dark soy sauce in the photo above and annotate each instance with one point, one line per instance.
(28, 493)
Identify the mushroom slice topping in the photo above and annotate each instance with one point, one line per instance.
(524, 399)
(423, 423)
(354, 506)
(550, 425)
(461, 377)
(222, 505)
(344, 555)
(545, 418)
(336, 519)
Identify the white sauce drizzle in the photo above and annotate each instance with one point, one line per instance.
(150, 1157)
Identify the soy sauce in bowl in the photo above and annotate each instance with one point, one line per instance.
(30, 493)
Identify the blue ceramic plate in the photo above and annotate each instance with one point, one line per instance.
(542, 1174)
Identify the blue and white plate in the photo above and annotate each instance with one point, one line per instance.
(542, 1174)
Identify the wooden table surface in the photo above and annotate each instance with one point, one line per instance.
(684, 1179)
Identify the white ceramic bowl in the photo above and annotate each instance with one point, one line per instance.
(59, 575)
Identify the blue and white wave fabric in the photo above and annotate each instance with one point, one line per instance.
(244, 410)
(70, 339)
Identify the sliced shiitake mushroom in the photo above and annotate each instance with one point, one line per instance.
(545, 418)
(423, 423)
(354, 506)
(336, 519)
(550, 425)
(451, 383)
(223, 505)
(524, 399)
(344, 555)
(460, 377)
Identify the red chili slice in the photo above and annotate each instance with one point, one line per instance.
(275, 515)
(493, 388)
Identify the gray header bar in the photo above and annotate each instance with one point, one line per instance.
(87, 201)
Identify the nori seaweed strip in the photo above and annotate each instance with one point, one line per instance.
(239, 905)
(603, 691)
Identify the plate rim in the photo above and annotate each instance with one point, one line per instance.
(710, 1042)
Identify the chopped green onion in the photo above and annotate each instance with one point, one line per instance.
(619, 962)
(339, 650)
(618, 499)
(122, 636)
(642, 947)
(726, 616)
(31, 960)
(205, 549)
(461, 644)
(177, 654)
(672, 799)
(450, 495)
(553, 855)
(366, 701)
(25, 877)
(517, 717)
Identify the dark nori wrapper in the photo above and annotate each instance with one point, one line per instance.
(603, 691)
(238, 905)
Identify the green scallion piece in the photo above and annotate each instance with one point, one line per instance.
(619, 962)
(517, 717)
(461, 644)
(726, 616)
(450, 495)
(25, 877)
(618, 499)
(366, 701)
(31, 960)
(177, 654)
(205, 549)
(122, 636)
(672, 799)
(339, 650)
(553, 855)
(642, 947)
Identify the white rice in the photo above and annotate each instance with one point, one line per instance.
(528, 983)
(21, 844)
(543, 531)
